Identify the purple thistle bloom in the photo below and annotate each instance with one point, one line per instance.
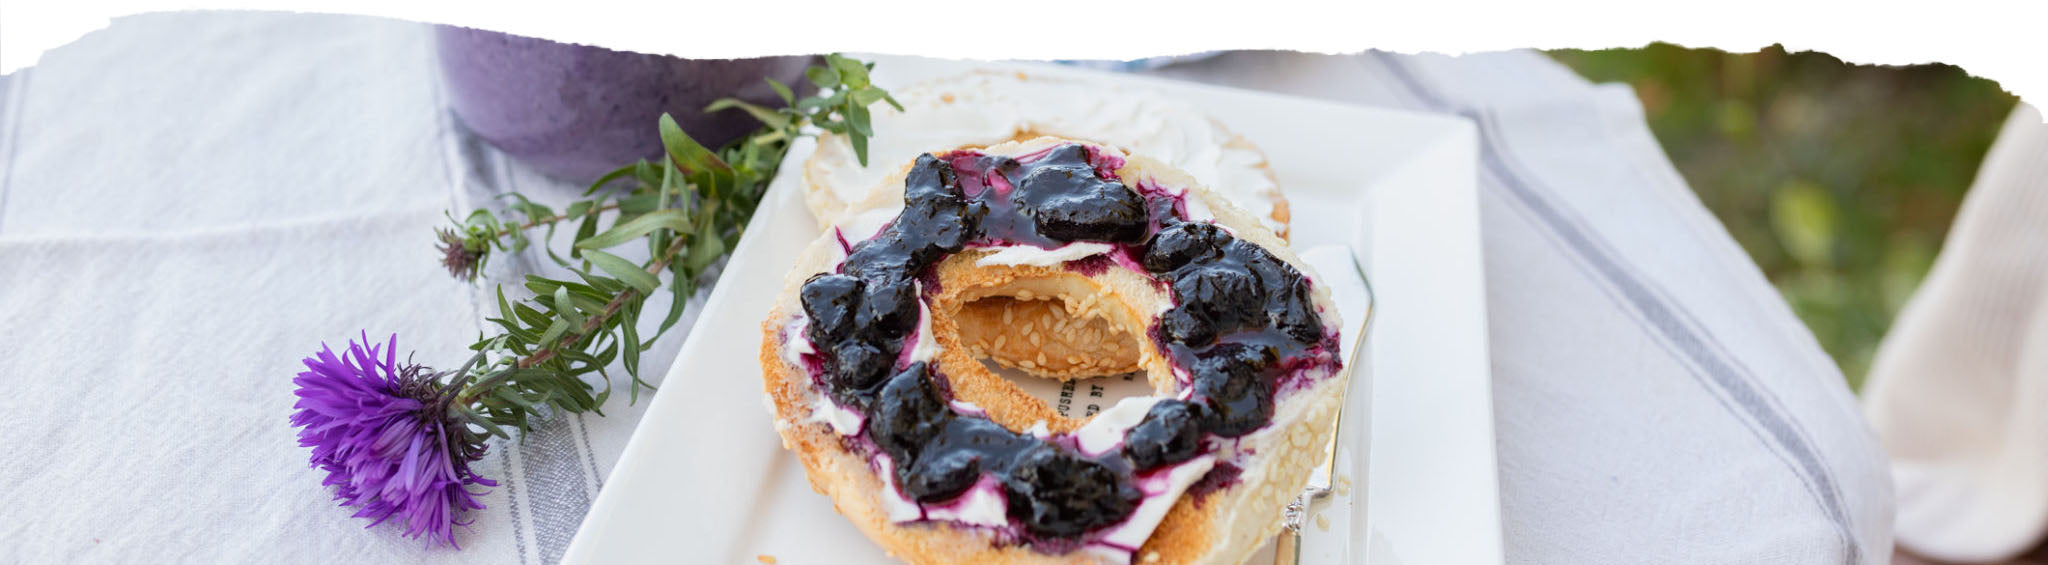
(382, 432)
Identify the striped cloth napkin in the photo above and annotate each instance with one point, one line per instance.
(191, 202)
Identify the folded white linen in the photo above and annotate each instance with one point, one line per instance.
(1959, 389)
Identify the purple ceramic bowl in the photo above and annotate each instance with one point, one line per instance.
(576, 112)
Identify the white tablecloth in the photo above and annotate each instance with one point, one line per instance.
(1957, 388)
(190, 203)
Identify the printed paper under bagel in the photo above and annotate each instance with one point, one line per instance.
(1225, 526)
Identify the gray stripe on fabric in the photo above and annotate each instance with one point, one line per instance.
(558, 491)
(1683, 331)
(512, 505)
(1721, 396)
(555, 485)
(1674, 324)
(583, 429)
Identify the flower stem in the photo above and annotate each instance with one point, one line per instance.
(609, 206)
(610, 309)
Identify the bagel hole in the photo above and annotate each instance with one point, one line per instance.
(1104, 365)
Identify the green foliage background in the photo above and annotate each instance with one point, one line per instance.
(1840, 180)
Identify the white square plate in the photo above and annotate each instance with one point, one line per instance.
(704, 478)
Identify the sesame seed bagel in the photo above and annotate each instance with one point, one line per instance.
(938, 460)
(987, 107)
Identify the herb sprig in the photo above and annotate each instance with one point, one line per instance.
(687, 209)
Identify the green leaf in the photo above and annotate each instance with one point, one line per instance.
(491, 427)
(504, 307)
(616, 174)
(513, 329)
(512, 397)
(566, 308)
(627, 272)
(630, 338)
(867, 96)
(766, 116)
(534, 212)
(781, 91)
(851, 72)
(648, 172)
(684, 151)
(583, 231)
(533, 318)
(823, 77)
(679, 298)
(639, 204)
(706, 249)
(586, 304)
(541, 285)
(554, 332)
(687, 208)
(670, 219)
(860, 147)
(857, 118)
(601, 283)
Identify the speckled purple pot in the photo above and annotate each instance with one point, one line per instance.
(576, 112)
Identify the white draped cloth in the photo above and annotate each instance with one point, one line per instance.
(1959, 389)
(192, 202)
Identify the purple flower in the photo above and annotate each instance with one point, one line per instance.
(383, 433)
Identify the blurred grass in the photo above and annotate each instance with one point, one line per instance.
(1839, 180)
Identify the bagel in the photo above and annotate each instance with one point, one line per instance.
(987, 107)
(938, 460)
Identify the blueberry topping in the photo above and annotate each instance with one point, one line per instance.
(1170, 433)
(908, 413)
(830, 300)
(857, 365)
(1236, 396)
(1241, 317)
(941, 475)
(1001, 165)
(1057, 494)
(1184, 326)
(953, 460)
(889, 310)
(930, 175)
(1229, 298)
(981, 434)
(887, 257)
(1183, 243)
(1295, 314)
(945, 223)
(1071, 203)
